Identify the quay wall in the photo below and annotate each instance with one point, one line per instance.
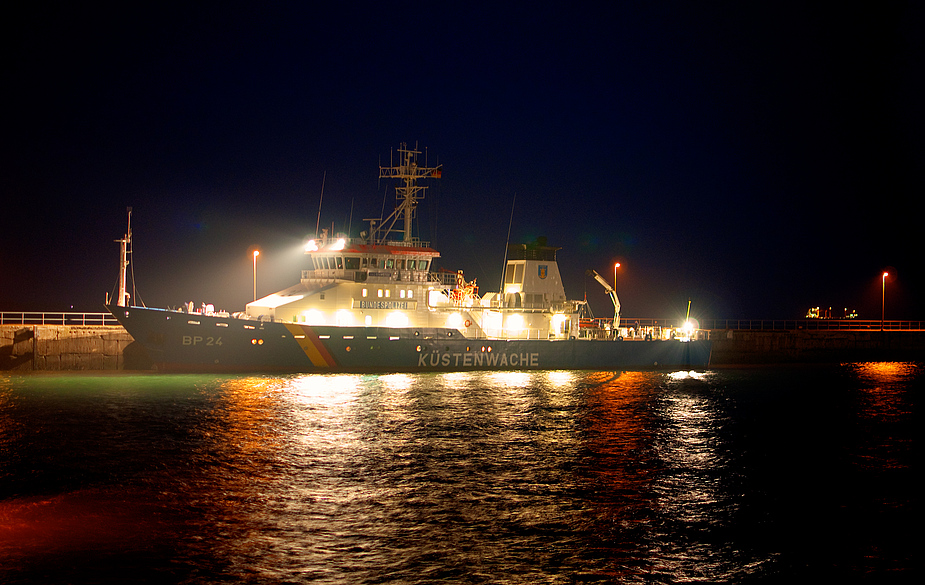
(68, 347)
(745, 347)
(107, 347)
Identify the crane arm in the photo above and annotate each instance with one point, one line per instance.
(611, 293)
(601, 280)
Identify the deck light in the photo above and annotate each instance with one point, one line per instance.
(558, 320)
(515, 322)
(396, 319)
(314, 317)
(344, 317)
(454, 321)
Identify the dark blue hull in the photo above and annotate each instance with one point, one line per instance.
(178, 341)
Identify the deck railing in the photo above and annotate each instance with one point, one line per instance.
(74, 319)
(90, 319)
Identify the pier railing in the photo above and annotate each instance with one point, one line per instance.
(74, 319)
(812, 324)
(777, 324)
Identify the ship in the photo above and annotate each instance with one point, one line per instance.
(376, 303)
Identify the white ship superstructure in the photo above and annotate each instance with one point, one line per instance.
(381, 280)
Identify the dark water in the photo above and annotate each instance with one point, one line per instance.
(730, 476)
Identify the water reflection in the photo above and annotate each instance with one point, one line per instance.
(510, 379)
(414, 473)
(560, 378)
(617, 439)
(695, 491)
(396, 382)
(520, 477)
(884, 406)
(883, 388)
(887, 372)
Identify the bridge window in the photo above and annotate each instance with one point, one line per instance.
(514, 273)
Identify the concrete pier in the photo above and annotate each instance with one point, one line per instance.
(68, 347)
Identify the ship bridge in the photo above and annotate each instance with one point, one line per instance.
(359, 261)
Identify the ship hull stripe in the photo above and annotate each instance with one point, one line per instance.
(312, 346)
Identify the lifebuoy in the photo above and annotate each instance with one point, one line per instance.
(468, 322)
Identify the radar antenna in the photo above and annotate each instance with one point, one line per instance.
(408, 193)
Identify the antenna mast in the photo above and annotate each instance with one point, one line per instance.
(318, 223)
(409, 192)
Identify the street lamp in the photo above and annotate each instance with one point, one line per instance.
(256, 253)
(615, 266)
(883, 300)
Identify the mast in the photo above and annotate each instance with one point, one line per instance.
(408, 193)
(124, 250)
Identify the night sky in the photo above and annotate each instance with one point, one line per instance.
(755, 158)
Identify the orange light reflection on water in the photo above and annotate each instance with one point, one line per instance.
(884, 387)
(886, 372)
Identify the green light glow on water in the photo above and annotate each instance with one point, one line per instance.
(89, 383)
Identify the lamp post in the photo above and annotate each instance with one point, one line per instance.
(256, 253)
(615, 266)
(883, 300)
